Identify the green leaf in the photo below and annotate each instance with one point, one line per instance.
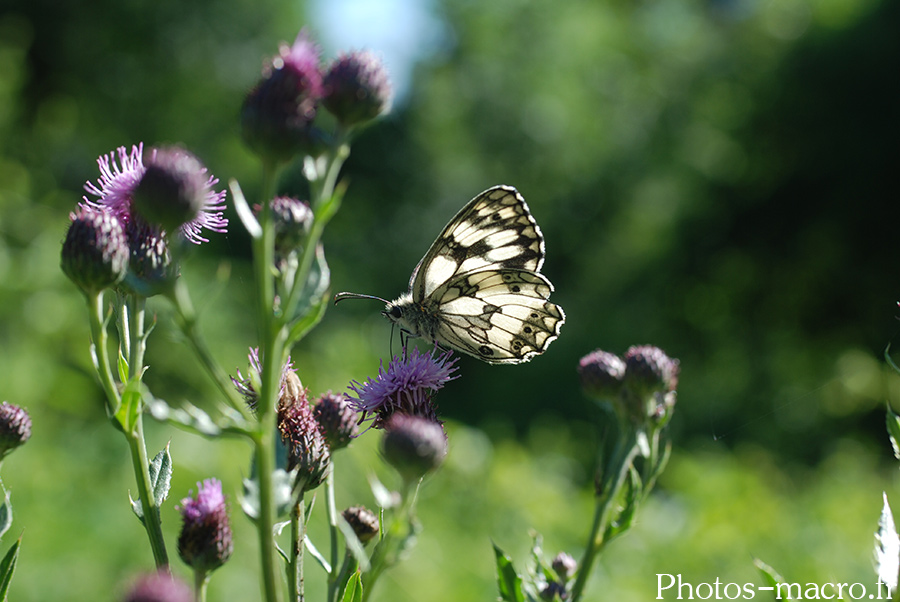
(508, 581)
(160, 481)
(893, 429)
(161, 475)
(354, 590)
(887, 548)
(354, 546)
(313, 298)
(315, 553)
(769, 575)
(6, 514)
(281, 491)
(191, 418)
(384, 497)
(245, 213)
(8, 567)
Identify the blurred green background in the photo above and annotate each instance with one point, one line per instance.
(717, 178)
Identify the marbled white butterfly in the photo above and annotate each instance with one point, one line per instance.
(479, 289)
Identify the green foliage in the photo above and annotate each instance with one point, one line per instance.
(8, 567)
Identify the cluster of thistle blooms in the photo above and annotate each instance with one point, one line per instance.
(399, 401)
(639, 386)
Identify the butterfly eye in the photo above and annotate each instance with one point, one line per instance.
(394, 312)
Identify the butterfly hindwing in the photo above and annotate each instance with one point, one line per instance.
(495, 229)
(499, 316)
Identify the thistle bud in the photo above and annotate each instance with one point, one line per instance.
(363, 522)
(554, 592)
(159, 587)
(357, 88)
(95, 252)
(336, 419)
(413, 445)
(15, 428)
(205, 541)
(601, 374)
(307, 450)
(649, 370)
(277, 116)
(172, 189)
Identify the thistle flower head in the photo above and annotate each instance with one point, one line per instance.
(159, 587)
(172, 191)
(649, 370)
(15, 427)
(413, 445)
(357, 88)
(150, 266)
(293, 219)
(277, 116)
(406, 386)
(205, 541)
(308, 451)
(120, 180)
(336, 419)
(564, 566)
(95, 253)
(363, 522)
(601, 374)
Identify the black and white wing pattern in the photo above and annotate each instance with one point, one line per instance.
(479, 289)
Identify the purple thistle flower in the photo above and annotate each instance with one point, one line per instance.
(120, 178)
(307, 449)
(413, 445)
(205, 541)
(15, 427)
(95, 252)
(159, 587)
(406, 386)
(357, 88)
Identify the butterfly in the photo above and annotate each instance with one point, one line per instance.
(479, 289)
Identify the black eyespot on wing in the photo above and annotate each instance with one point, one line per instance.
(485, 350)
(515, 288)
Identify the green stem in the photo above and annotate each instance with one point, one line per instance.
(100, 352)
(295, 566)
(385, 554)
(271, 354)
(151, 518)
(201, 584)
(333, 531)
(614, 475)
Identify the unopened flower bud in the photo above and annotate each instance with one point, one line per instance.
(357, 88)
(307, 450)
(159, 587)
(564, 566)
(205, 541)
(413, 445)
(172, 189)
(15, 428)
(363, 522)
(336, 419)
(95, 252)
(554, 592)
(277, 116)
(649, 370)
(601, 374)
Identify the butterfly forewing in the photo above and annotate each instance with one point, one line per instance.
(494, 230)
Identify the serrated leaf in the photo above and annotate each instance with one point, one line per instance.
(887, 547)
(8, 567)
(893, 429)
(161, 475)
(353, 592)
(509, 583)
(6, 514)
(769, 575)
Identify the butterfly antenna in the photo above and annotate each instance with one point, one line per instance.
(342, 296)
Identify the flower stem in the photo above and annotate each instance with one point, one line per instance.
(201, 583)
(100, 352)
(149, 508)
(613, 478)
(385, 554)
(295, 566)
(333, 531)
